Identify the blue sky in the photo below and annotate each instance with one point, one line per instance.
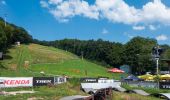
(113, 20)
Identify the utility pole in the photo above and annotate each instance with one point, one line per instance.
(157, 66)
(156, 52)
(157, 70)
(156, 55)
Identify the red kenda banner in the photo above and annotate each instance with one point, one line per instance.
(16, 81)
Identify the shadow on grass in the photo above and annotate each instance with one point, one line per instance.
(7, 57)
(5, 54)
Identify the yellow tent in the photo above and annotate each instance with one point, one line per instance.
(165, 77)
(146, 77)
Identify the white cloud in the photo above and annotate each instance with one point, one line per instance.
(162, 37)
(151, 27)
(3, 2)
(114, 10)
(68, 9)
(138, 27)
(117, 11)
(104, 31)
(156, 12)
(44, 4)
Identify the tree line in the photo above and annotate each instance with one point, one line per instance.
(10, 33)
(136, 53)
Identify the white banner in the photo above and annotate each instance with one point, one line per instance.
(16, 81)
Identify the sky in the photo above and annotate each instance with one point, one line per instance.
(113, 20)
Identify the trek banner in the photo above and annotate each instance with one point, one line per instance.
(89, 80)
(16, 82)
(42, 81)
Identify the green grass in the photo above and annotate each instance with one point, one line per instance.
(44, 54)
(148, 90)
(72, 68)
(52, 61)
(46, 93)
(132, 96)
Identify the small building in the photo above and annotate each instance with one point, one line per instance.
(1, 56)
(17, 43)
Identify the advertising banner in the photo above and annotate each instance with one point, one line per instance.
(42, 81)
(164, 85)
(89, 80)
(59, 80)
(16, 81)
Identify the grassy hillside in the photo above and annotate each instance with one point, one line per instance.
(53, 62)
(50, 60)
